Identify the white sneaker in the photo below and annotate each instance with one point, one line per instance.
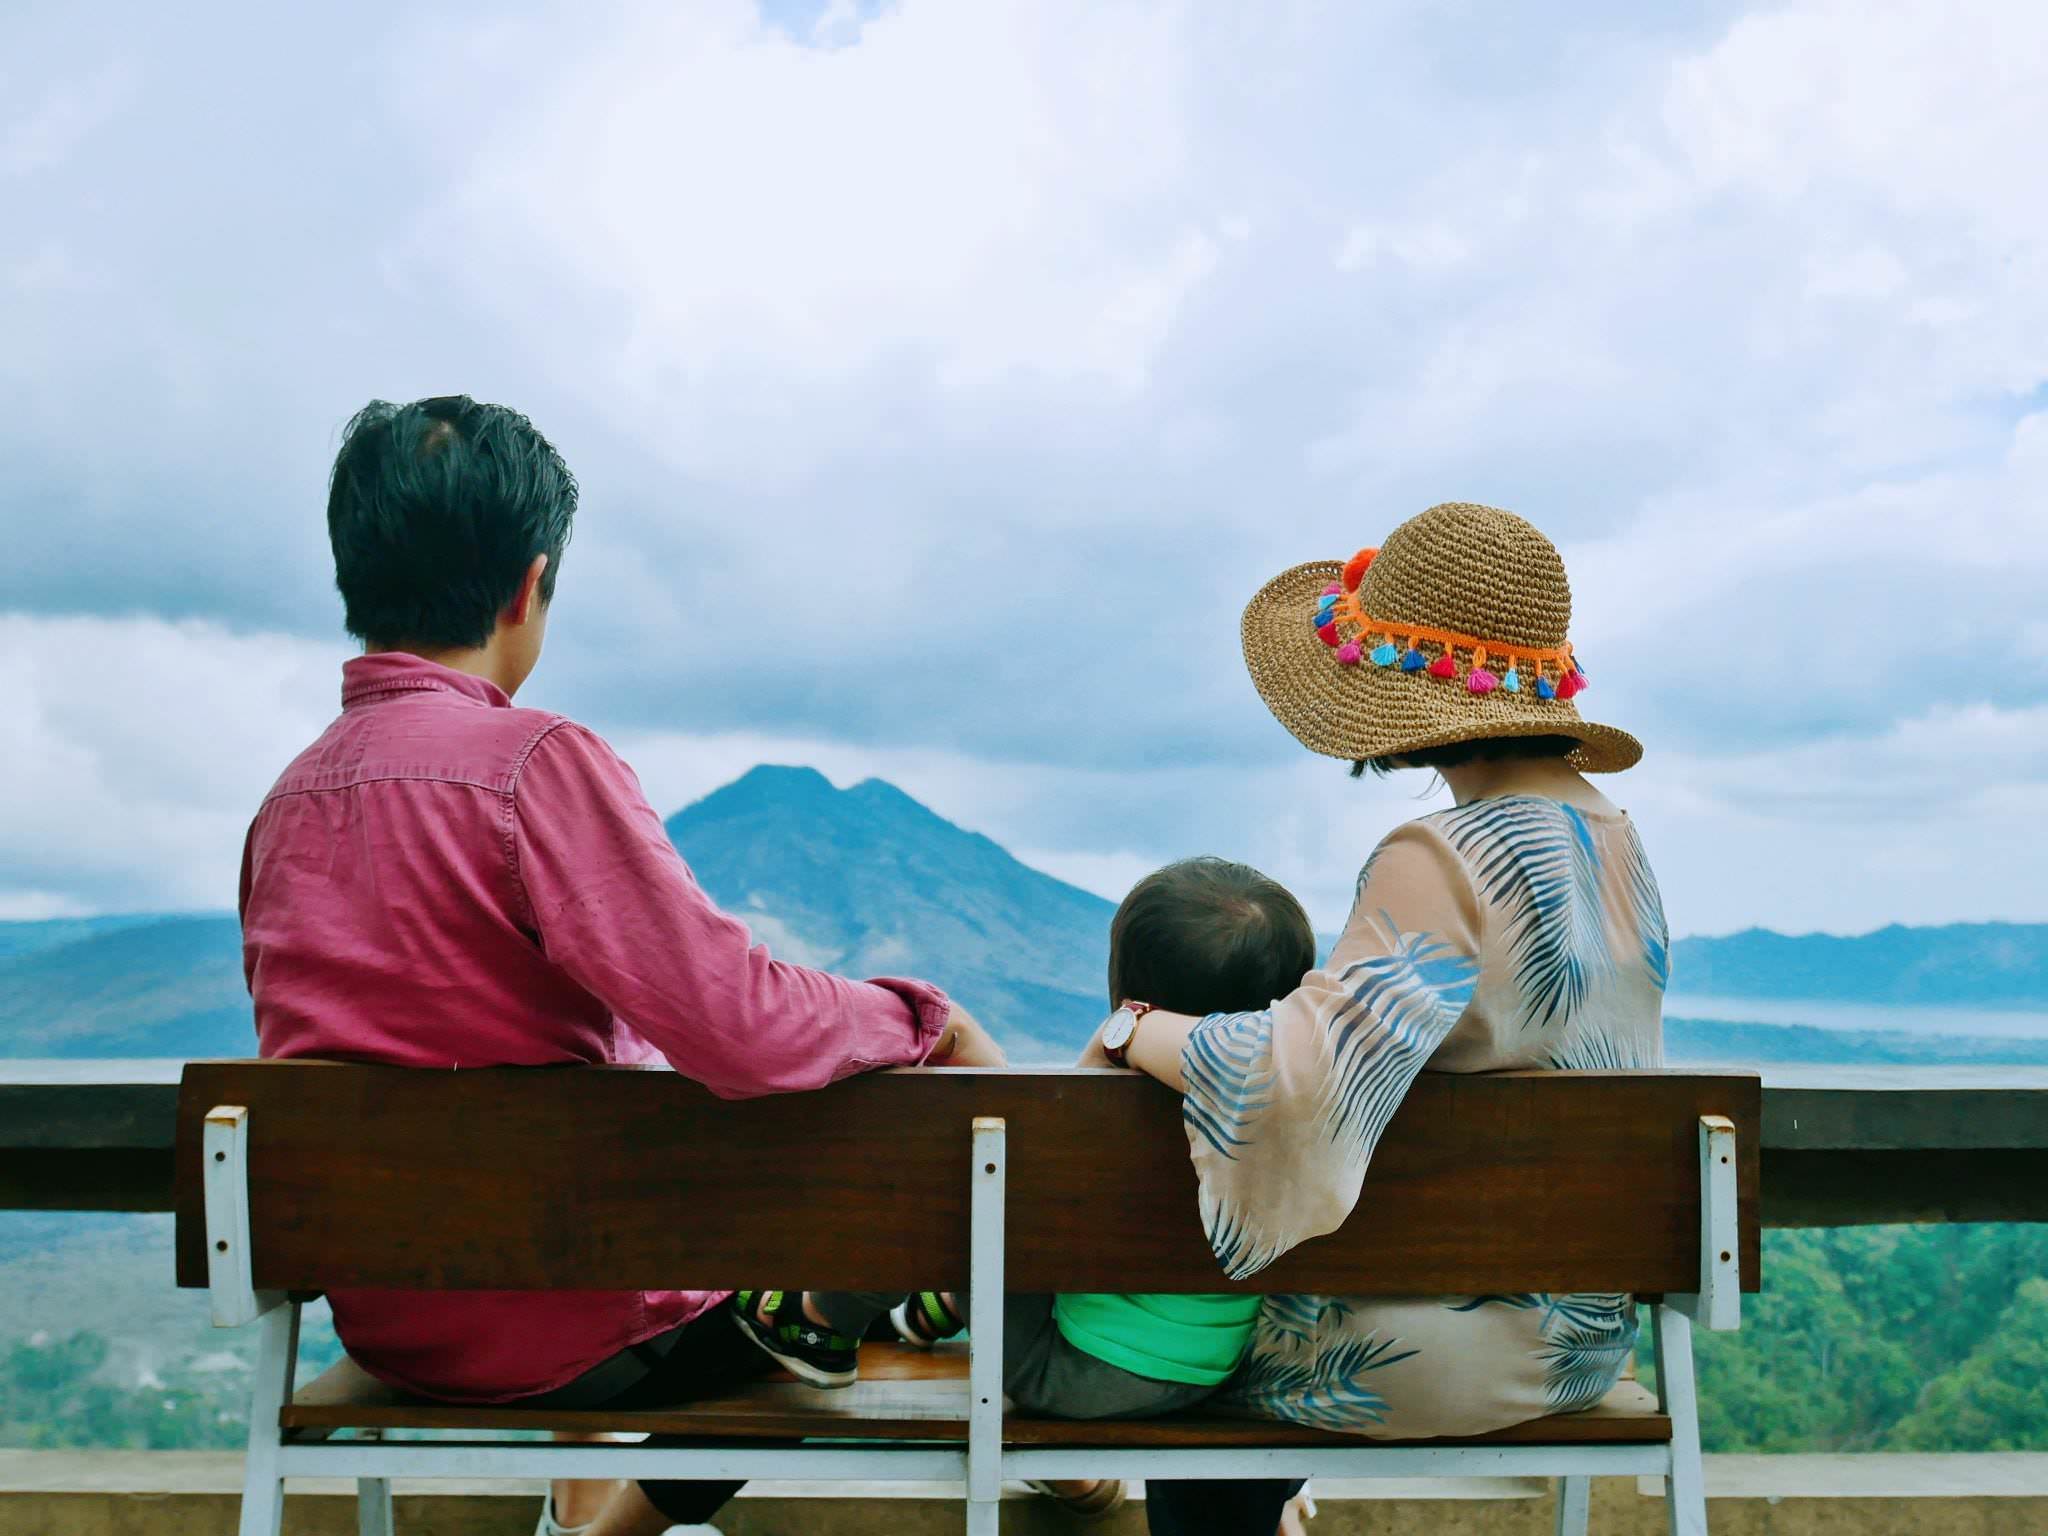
(550, 1526)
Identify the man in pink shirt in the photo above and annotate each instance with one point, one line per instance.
(446, 880)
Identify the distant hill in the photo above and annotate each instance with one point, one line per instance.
(1987, 965)
(865, 881)
(1698, 1042)
(869, 882)
(165, 986)
(22, 938)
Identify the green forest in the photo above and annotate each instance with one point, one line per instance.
(1886, 1339)
(1865, 1339)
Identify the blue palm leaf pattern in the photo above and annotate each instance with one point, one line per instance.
(1326, 1388)
(1646, 908)
(1587, 1048)
(1402, 1003)
(1398, 1007)
(1535, 860)
(1587, 1340)
(1240, 1246)
(1365, 874)
(1230, 1079)
(1292, 1319)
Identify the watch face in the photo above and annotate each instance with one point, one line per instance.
(1116, 1034)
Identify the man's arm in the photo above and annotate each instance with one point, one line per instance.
(613, 904)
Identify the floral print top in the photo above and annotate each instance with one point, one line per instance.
(1510, 933)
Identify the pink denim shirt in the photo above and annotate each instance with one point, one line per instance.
(443, 880)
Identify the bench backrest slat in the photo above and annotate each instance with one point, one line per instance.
(551, 1178)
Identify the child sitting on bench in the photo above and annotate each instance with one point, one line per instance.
(1201, 936)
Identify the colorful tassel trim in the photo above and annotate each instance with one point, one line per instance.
(1356, 567)
(1342, 623)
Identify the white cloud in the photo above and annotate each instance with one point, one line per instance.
(137, 752)
(1935, 816)
(1870, 272)
(942, 379)
(1427, 245)
(973, 190)
(65, 114)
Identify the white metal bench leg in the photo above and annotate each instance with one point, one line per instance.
(985, 1330)
(373, 1506)
(1685, 1490)
(1574, 1505)
(277, 1339)
(224, 1143)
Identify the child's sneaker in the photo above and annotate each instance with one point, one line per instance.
(925, 1318)
(809, 1351)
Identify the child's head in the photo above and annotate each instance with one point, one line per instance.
(1208, 936)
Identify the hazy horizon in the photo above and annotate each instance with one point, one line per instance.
(1113, 894)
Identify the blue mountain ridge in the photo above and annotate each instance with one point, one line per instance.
(869, 882)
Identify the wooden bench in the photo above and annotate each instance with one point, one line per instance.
(297, 1177)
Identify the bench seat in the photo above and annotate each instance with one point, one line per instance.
(910, 1394)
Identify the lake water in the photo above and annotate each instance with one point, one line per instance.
(1900, 1018)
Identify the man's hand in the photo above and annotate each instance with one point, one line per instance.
(966, 1044)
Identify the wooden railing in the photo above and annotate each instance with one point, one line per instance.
(1841, 1146)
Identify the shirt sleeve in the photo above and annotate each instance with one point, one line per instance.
(616, 908)
(1285, 1106)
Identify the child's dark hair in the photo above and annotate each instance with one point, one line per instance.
(435, 511)
(1208, 936)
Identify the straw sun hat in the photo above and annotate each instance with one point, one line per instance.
(1453, 630)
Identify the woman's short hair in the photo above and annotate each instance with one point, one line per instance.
(1488, 749)
(1208, 936)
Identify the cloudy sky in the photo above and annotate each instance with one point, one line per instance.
(943, 376)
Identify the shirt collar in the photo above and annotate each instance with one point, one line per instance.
(366, 677)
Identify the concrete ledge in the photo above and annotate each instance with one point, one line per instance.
(175, 1493)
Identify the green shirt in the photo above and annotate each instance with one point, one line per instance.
(1193, 1339)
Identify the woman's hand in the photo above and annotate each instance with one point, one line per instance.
(964, 1043)
(1092, 1054)
(1154, 1050)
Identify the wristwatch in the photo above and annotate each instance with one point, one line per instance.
(1121, 1029)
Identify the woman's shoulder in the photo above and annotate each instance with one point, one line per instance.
(1490, 835)
(1505, 813)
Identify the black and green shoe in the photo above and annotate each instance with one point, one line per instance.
(925, 1318)
(809, 1351)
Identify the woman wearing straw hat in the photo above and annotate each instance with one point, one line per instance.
(1521, 928)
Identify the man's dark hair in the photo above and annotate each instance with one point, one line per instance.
(1491, 749)
(435, 511)
(1208, 936)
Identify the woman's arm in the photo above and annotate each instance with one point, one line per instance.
(1284, 1105)
(1154, 1050)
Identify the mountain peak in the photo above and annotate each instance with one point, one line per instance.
(765, 787)
(871, 881)
(783, 778)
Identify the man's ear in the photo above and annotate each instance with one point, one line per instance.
(527, 598)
